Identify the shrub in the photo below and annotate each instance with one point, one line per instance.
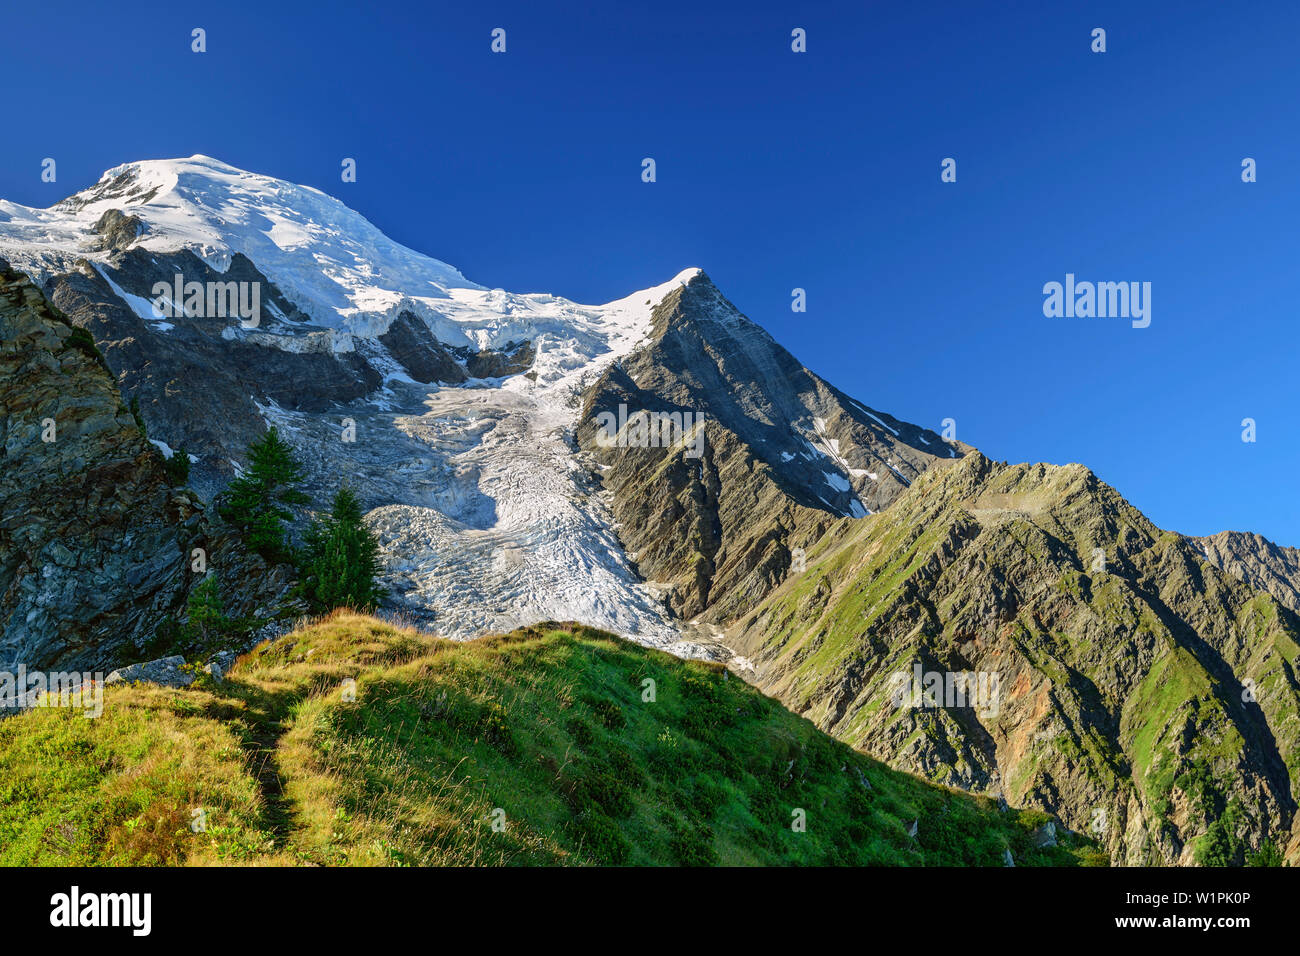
(84, 342)
(177, 467)
(601, 838)
(139, 420)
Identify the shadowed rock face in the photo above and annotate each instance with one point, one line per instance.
(92, 540)
(499, 363)
(784, 455)
(95, 547)
(195, 387)
(424, 358)
(118, 230)
(428, 361)
(1141, 693)
(1259, 562)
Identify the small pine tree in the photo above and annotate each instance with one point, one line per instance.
(258, 501)
(207, 615)
(341, 564)
(139, 419)
(177, 467)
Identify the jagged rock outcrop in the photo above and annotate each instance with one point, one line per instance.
(425, 359)
(95, 546)
(166, 672)
(117, 230)
(419, 352)
(1117, 679)
(93, 542)
(1252, 558)
(783, 454)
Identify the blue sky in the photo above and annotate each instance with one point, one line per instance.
(779, 170)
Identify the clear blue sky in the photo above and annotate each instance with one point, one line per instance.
(777, 170)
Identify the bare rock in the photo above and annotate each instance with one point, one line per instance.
(166, 672)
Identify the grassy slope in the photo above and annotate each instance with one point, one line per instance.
(548, 725)
(1112, 678)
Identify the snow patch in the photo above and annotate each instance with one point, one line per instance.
(838, 482)
(877, 419)
(141, 306)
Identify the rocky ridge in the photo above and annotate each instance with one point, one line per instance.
(717, 521)
(1139, 691)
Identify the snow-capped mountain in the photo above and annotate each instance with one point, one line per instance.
(500, 445)
(331, 262)
(335, 268)
(454, 409)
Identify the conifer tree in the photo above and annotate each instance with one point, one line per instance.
(177, 467)
(341, 564)
(207, 615)
(258, 500)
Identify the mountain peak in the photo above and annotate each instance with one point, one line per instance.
(331, 262)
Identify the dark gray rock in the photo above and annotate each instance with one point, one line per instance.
(166, 672)
(92, 539)
(95, 547)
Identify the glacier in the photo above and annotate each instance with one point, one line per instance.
(486, 516)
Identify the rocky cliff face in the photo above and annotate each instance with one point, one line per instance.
(1254, 559)
(93, 542)
(770, 456)
(95, 547)
(1117, 678)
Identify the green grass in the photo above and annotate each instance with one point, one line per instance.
(121, 789)
(357, 743)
